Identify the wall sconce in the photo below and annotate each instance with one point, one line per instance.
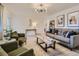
(34, 24)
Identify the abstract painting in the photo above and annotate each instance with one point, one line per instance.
(73, 19)
(60, 20)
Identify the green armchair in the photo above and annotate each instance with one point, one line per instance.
(20, 37)
(12, 49)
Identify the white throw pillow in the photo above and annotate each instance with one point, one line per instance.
(67, 34)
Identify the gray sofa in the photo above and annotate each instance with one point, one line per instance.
(71, 42)
(12, 49)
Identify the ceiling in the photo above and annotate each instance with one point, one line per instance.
(27, 9)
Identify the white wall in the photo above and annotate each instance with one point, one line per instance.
(6, 14)
(20, 23)
(64, 12)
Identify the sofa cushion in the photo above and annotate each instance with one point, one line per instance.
(58, 37)
(23, 39)
(2, 52)
(9, 46)
(62, 38)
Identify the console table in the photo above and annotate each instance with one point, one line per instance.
(31, 30)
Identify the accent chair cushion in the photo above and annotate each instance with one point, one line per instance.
(14, 34)
(2, 52)
(17, 51)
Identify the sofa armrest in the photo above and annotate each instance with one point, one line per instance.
(27, 53)
(8, 47)
(74, 41)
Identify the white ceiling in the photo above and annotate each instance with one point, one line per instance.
(26, 9)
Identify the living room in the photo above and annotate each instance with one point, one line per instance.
(25, 24)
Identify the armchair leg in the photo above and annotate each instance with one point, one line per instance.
(71, 49)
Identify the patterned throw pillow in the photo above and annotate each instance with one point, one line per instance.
(67, 34)
(64, 33)
(70, 34)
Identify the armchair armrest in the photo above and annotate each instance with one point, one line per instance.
(22, 52)
(74, 41)
(27, 53)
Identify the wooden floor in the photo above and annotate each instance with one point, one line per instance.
(59, 51)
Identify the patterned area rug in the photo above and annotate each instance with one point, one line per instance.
(62, 51)
(55, 53)
(76, 50)
(59, 51)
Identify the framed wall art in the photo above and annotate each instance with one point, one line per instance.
(73, 19)
(61, 21)
(52, 24)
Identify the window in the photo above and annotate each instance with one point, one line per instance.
(8, 23)
(0, 25)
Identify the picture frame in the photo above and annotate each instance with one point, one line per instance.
(52, 24)
(73, 19)
(61, 21)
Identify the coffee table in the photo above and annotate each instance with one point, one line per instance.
(46, 42)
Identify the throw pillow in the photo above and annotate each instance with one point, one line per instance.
(70, 34)
(64, 33)
(67, 34)
(50, 30)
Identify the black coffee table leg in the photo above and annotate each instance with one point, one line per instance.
(54, 44)
(46, 47)
(37, 40)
